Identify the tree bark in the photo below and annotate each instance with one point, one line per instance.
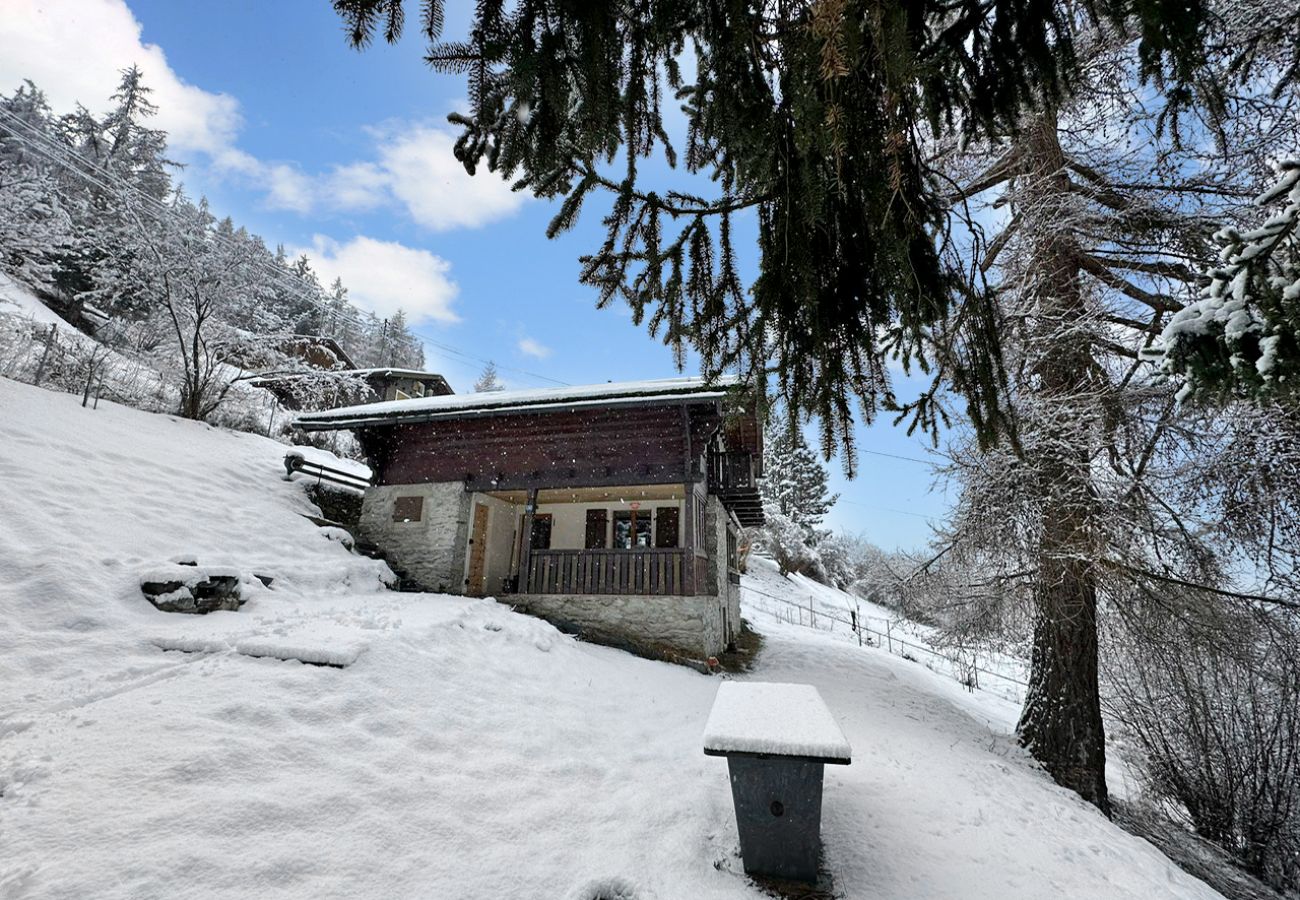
(1061, 723)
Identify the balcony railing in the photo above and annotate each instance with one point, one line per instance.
(732, 473)
(640, 571)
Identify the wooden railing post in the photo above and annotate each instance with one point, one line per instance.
(688, 540)
(526, 551)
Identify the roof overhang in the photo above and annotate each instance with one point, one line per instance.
(357, 417)
(648, 392)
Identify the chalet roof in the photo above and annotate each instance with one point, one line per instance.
(386, 372)
(391, 372)
(452, 406)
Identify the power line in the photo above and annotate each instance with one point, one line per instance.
(897, 456)
(63, 156)
(472, 358)
(901, 512)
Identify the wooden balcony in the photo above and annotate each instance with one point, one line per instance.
(733, 478)
(640, 571)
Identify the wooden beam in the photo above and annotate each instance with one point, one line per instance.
(688, 540)
(526, 550)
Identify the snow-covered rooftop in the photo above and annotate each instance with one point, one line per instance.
(397, 373)
(504, 401)
(775, 719)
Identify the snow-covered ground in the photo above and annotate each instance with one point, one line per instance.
(464, 751)
(799, 600)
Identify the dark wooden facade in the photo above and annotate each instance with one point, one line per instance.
(526, 445)
(583, 447)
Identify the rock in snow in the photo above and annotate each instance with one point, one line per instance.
(186, 587)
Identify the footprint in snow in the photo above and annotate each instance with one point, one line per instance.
(607, 889)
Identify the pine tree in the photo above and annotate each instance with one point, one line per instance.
(1242, 337)
(488, 380)
(794, 480)
(815, 116)
(34, 226)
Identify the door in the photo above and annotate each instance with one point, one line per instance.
(477, 582)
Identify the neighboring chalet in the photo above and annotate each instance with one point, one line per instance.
(610, 509)
(352, 386)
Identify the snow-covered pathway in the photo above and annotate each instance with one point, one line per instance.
(939, 804)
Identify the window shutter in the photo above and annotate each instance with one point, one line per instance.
(541, 532)
(666, 526)
(597, 519)
(408, 509)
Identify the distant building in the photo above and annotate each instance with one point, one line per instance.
(331, 388)
(610, 509)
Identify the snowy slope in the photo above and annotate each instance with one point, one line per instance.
(465, 751)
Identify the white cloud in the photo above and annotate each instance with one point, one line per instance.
(530, 347)
(415, 169)
(359, 186)
(385, 276)
(287, 188)
(425, 177)
(74, 51)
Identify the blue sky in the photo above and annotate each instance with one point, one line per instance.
(347, 156)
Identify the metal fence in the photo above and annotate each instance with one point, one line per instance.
(963, 665)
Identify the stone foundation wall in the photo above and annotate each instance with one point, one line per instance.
(430, 551)
(732, 600)
(716, 522)
(690, 625)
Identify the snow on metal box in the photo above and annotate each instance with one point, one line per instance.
(774, 719)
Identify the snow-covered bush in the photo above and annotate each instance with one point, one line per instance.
(788, 542)
(1214, 706)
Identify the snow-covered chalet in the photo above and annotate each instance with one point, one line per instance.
(612, 510)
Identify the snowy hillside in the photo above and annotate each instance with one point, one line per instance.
(37, 344)
(462, 751)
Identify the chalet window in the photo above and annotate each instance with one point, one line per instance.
(666, 519)
(541, 532)
(597, 528)
(631, 529)
(408, 509)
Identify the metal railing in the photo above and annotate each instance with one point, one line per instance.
(296, 463)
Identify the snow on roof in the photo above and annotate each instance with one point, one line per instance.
(349, 373)
(397, 373)
(775, 719)
(540, 398)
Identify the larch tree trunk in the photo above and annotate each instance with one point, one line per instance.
(1061, 723)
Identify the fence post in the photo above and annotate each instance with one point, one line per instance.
(889, 634)
(50, 340)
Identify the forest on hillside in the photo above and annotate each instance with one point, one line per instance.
(182, 304)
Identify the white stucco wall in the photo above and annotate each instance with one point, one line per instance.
(434, 551)
(502, 532)
(569, 520)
